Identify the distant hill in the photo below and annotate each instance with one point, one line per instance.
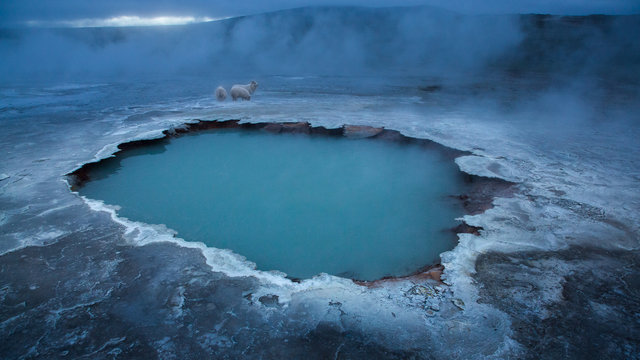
(337, 41)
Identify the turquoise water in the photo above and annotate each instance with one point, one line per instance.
(299, 204)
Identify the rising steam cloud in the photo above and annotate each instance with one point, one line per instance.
(325, 41)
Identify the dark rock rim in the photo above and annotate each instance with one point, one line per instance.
(482, 191)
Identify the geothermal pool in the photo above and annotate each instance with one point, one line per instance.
(300, 204)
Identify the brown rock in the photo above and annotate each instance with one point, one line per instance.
(430, 272)
(465, 228)
(392, 135)
(296, 128)
(273, 128)
(360, 132)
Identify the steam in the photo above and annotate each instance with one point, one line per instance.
(418, 41)
(327, 41)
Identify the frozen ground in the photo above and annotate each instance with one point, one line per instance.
(77, 283)
(553, 273)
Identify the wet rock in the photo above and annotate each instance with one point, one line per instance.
(465, 228)
(392, 135)
(428, 273)
(273, 128)
(296, 128)
(321, 130)
(579, 208)
(459, 303)
(360, 132)
(578, 303)
(421, 290)
(482, 192)
(176, 130)
(249, 298)
(269, 300)
(208, 125)
(177, 299)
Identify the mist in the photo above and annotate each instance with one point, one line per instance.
(416, 41)
(17, 12)
(534, 105)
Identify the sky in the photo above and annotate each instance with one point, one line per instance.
(70, 12)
